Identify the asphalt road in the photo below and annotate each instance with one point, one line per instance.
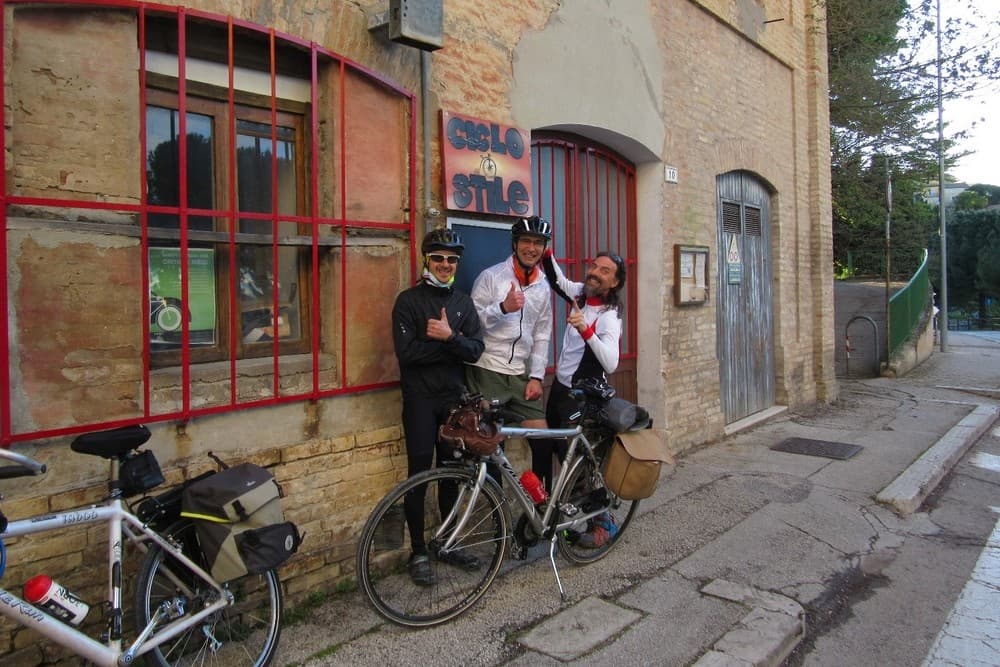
(896, 612)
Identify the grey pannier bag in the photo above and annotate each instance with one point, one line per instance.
(240, 525)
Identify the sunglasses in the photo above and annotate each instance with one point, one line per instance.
(451, 259)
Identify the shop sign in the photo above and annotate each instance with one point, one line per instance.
(486, 166)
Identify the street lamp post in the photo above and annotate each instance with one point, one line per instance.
(941, 212)
(888, 264)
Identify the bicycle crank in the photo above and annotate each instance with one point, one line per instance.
(524, 536)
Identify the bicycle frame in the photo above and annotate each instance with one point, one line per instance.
(542, 524)
(120, 523)
(577, 441)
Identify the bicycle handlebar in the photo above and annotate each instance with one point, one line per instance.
(23, 466)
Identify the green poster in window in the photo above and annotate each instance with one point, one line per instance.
(165, 305)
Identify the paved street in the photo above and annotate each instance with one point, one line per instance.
(738, 552)
(971, 634)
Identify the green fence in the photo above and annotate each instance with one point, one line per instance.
(907, 306)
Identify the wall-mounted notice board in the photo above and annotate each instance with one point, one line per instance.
(690, 274)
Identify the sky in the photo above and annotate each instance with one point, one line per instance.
(979, 112)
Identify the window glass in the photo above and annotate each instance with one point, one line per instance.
(257, 159)
(269, 263)
(163, 165)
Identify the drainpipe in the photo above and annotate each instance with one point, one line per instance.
(430, 213)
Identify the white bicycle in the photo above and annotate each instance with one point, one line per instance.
(182, 616)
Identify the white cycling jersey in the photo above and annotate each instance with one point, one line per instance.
(518, 342)
(603, 339)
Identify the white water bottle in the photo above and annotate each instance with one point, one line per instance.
(46, 594)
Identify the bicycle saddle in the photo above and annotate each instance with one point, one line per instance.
(112, 443)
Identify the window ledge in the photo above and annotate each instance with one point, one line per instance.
(210, 382)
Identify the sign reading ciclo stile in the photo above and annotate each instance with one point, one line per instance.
(486, 166)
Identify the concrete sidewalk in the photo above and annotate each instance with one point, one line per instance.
(725, 558)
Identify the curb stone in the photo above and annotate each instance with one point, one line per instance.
(907, 492)
(764, 637)
(776, 624)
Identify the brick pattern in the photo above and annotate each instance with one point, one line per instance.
(760, 117)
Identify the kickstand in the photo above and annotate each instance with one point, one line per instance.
(552, 559)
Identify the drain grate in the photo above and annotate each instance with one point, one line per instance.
(825, 448)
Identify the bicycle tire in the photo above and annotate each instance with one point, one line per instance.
(169, 318)
(586, 491)
(383, 551)
(246, 632)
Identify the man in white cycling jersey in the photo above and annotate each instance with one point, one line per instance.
(590, 346)
(514, 303)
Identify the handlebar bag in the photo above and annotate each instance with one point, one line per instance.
(240, 525)
(632, 468)
(465, 428)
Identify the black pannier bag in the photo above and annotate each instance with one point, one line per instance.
(240, 525)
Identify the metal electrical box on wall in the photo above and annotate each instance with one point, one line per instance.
(417, 23)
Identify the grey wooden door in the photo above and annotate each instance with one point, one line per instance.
(745, 319)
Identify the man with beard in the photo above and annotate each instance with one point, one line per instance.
(590, 344)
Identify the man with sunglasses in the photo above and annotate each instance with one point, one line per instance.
(515, 307)
(435, 331)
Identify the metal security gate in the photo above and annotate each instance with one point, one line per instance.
(745, 310)
(587, 192)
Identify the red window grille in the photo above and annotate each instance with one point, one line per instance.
(587, 192)
(340, 96)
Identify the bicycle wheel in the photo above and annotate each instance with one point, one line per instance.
(593, 539)
(243, 634)
(384, 548)
(169, 318)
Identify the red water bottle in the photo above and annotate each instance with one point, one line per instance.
(46, 594)
(534, 487)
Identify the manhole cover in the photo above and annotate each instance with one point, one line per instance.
(825, 448)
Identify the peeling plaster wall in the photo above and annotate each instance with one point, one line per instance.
(596, 69)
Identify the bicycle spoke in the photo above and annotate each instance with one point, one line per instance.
(593, 540)
(460, 577)
(244, 634)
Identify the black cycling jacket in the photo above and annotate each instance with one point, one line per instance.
(428, 367)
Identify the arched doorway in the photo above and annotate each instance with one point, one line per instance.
(745, 340)
(587, 192)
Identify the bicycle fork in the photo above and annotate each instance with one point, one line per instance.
(453, 533)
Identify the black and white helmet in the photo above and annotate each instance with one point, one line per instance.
(533, 226)
(442, 239)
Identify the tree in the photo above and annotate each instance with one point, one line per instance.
(860, 212)
(991, 192)
(973, 266)
(883, 101)
(970, 200)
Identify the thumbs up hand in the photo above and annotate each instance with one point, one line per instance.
(514, 300)
(439, 329)
(576, 320)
